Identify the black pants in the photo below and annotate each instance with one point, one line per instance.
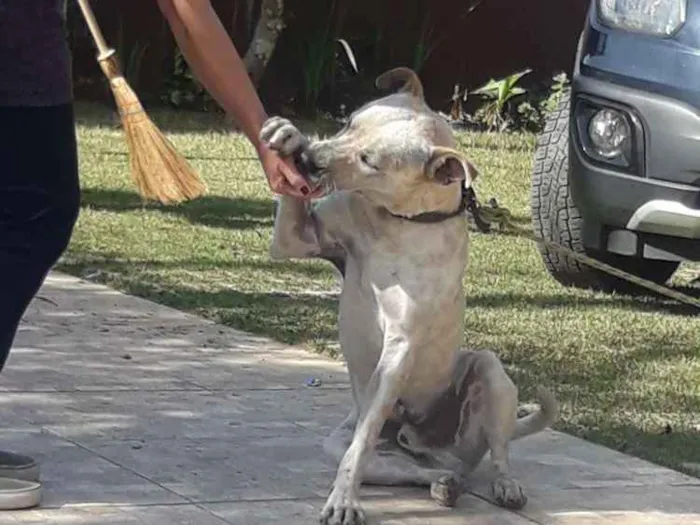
(39, 203)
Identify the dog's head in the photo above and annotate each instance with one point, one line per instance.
(396, 152)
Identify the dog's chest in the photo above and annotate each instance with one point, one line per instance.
(417, 258)
(415, 292)
(402, 285)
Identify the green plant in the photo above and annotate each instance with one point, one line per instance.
(560, 82)
(531, 113)
(494, 113)
(183, 90)
(429, 39)
(424, 47)
(318, 55)
(316, 52)
(500, 111)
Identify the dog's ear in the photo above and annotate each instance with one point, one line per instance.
(401, 79)
(447, 166)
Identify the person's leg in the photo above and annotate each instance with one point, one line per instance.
(39, 203)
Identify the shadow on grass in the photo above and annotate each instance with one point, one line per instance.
(522, 220)
(493, 145)
(594, 398)
(84, 264)
(125, 156)
(556, 301)
(220, 212)
(169, 120)
(669, 446)
(291, 318)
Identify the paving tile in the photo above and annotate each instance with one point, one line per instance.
(78, 370)
(165, 415)
(222, 370)
(555, 461)
(229, 469)
(563, 461)
(114, 515)
(408, 508)
(138, 363)
(136, 411)
(626, 518)
(72, 475)
(88, 338)
(572, 481)
(628, 506)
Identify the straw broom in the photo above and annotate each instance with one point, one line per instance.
(159, 171)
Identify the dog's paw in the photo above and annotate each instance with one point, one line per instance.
(342, 508)
(508, 493)
(446, 490)
(281, 135)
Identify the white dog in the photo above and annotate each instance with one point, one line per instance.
(425, 412)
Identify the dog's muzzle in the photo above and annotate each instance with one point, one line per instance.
(305, 164)
(311, 167)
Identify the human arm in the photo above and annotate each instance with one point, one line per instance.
(216, 63)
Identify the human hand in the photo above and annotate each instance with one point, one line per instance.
(283, 177)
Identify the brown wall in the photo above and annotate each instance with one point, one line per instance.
(497, 38)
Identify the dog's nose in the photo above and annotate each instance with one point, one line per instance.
(314, 160)
(305, 163)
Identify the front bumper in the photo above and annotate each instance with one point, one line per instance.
(652, 210)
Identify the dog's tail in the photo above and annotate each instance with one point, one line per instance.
(541, 418)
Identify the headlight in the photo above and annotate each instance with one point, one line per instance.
(654, 17)
(609, 133)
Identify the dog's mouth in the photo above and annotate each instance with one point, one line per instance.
(321, 185)
(316, 175)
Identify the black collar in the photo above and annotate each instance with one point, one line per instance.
(468, 203)
(432, 217)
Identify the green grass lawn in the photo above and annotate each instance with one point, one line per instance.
(627, 372)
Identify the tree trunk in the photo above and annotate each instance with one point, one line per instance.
(267, 31)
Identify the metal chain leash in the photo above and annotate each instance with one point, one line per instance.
(493, 214)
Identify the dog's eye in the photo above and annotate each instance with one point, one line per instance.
(364, 158)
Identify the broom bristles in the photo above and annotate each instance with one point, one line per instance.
(158, 170)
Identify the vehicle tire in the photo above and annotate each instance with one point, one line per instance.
(555, 217)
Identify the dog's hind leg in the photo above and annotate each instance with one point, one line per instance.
(396, 467)
(499, 425)
(389, 464)
(506, 490)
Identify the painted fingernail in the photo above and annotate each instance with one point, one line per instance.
(305, 190)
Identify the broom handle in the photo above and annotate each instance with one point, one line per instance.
(97, 35)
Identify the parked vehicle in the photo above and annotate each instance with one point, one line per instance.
(617, 167)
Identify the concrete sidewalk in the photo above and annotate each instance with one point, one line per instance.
(145, 415)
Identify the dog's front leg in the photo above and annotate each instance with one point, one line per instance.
(299, 230)
(294, 234)
(385, 386)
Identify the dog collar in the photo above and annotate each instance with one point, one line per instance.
(432, 217)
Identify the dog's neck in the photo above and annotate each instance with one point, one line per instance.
(433, 217)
